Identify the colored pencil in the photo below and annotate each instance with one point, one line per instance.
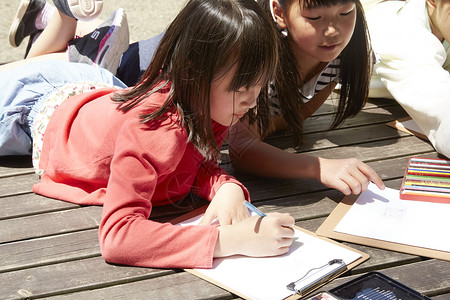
(427, 183)
(426, 179)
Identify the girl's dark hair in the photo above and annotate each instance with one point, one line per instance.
(205, 40)
(355, 70)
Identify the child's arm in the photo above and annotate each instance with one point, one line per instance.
(251, 155)
(415, 69)
(226, 206)
(256, 236)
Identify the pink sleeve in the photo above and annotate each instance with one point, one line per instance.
(126, 235)
(211, 177)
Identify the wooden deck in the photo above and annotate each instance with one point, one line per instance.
(49, 248)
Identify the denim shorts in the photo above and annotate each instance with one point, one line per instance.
(23, 91)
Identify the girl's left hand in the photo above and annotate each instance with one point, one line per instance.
(227, 206)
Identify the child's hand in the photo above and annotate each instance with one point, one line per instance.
(348, 175)
(256, 236)
(227, 206)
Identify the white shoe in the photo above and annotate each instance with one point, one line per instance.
(83, 10)
(105, 45)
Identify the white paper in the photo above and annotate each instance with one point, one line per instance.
(267, 278)
(382, 215)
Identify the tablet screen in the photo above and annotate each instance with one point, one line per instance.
(375, 286)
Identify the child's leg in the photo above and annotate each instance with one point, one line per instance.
(27, 87)
(55, 36)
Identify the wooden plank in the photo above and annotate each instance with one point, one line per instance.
(379, 150)
(49, 250)
(20, 184)
(173, 286)
(22, 205)
(71, 276)
(15, 165)
(303, 207)
(28, 204)
(341, 137)
(320, 123)
(329, 106)
(18, 229)
(365, 117)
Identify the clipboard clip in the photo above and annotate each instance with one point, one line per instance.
(317, 276)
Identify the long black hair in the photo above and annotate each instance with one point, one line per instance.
(355, 70)
(205, 41)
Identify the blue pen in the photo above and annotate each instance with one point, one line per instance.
(254, 209)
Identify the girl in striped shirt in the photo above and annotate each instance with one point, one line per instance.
(323, 43)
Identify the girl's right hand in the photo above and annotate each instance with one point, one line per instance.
(256, 236)
(350, 176)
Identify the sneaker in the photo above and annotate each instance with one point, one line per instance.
(23, 24)
(83, 10)
(105, 45)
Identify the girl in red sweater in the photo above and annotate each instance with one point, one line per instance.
(153, 144)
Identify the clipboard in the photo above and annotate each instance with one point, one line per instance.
(328, 226)
(318, 276)
(408, 125)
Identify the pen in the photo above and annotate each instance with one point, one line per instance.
(254, 209)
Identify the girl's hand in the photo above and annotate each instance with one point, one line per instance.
(256, 236)
(227, 206)
(348, 175)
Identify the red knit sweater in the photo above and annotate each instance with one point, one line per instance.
(94, 154)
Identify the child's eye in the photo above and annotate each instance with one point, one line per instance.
(347, 13)
(312, 18)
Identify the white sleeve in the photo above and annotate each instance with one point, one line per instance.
(411, 68)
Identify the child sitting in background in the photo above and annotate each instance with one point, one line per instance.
(411, 41)
(324, 43)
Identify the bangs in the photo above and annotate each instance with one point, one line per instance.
(255, 54)
(318, 3)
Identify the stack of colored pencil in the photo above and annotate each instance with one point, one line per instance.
(426, 179)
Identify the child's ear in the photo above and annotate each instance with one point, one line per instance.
(279, 14)
(432, 3)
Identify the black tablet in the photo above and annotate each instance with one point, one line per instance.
(371, 286)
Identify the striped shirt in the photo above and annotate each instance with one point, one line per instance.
(329, 74)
